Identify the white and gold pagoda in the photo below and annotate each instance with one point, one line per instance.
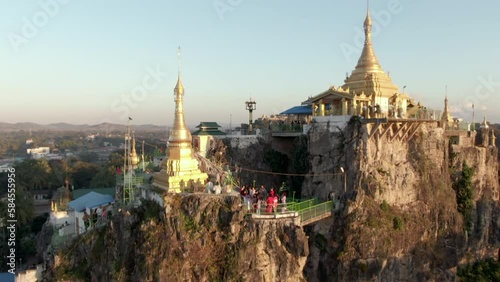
(180, 168)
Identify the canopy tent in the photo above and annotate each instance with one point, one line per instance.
(90, 200)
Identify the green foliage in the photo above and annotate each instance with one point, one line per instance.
(385, 206)
(89, 157)
(363, 267)
(25, 210)
(483, 270)
(27, 246)
(191, 225)
(106, 177)
(83, 174)
(397, 223)
(152, 210)
(464, 195)
(33, 174)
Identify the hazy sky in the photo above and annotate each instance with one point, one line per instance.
(92, 61)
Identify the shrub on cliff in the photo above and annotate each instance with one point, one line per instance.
(483, 270)
(464, 195)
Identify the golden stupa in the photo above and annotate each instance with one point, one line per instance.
(133, 156)
(368, 77)
(446, 119)
(180, 167)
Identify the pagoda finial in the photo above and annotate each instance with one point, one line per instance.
(179, 59)
(179, 88)
(485, 123)
(368, 24)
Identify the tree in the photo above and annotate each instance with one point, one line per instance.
(83, 174)
(106, 177)
(25, 210)
(483, 270)
(89, 157)
(464, 195)
(33, 174)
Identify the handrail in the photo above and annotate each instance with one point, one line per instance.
(297, 206)
(281, 207)
(315, 211)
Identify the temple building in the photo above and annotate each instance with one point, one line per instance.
(368, 91)
(180, 170)
(205, 136)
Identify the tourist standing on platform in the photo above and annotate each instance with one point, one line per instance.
(252, 191)
(262, 193)
(249, 200)
(269, 204)
(209, 186)
(86, 220)
(283, 201)
(217, 188)
(275, 203)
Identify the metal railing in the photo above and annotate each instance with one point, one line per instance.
(297, 206)
(294, 127)
(263, 208)
(315, 211)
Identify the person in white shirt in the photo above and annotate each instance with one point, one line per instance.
(217, 188)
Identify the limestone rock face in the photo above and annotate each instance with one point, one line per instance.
(397, 217)
(199, 237)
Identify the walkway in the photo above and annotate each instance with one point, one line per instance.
(308, 211)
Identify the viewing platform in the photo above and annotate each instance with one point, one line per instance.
(305, 212)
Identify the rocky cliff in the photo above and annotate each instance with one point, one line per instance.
(397, 217)
(412, 202)
(196, 237)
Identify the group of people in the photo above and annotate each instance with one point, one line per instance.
(255, 199)
(97, 214)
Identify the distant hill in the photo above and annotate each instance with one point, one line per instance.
(61, 126)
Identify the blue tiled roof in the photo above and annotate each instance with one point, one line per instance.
(298, 110)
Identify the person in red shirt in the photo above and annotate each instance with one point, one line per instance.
(270, 204)
(275, 203)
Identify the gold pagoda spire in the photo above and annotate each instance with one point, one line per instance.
(446, 118)
(179, 135)
(179, 88)
(368, 76)
(133, 156)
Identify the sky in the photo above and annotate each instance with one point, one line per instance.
(87, 62)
